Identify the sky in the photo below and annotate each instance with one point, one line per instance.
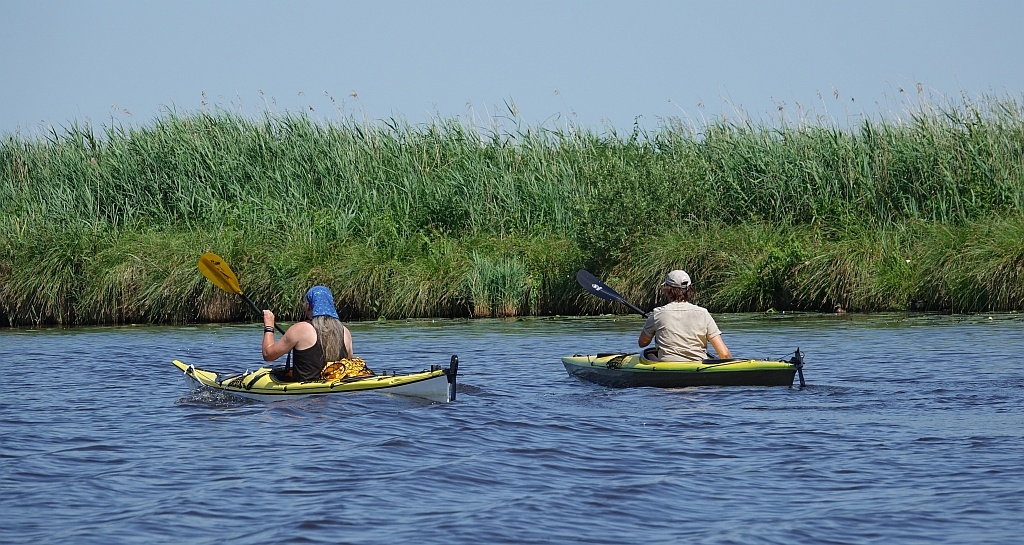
(598, 64)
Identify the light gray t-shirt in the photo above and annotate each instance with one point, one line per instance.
(681, 331)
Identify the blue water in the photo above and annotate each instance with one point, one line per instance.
(910, 431)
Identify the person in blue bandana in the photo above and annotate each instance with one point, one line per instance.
(320, 339)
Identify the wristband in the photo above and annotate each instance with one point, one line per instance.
(268, 330)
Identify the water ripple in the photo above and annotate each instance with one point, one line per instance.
(889, 443)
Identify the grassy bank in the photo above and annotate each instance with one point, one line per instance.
(131, 277)
(104, 225)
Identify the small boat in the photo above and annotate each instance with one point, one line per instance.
(629, 370)
(436, 384)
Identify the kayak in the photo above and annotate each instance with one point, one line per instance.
(629, 370)
(436, 384)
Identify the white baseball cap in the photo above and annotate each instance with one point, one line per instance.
(677, 279)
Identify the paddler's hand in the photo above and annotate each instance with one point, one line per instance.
(268, 319)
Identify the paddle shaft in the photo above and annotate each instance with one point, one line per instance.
(258, 310)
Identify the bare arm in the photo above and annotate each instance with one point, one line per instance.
(348, 343)
(720, 348)
(275, 349)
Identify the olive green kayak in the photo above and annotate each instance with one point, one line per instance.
(629, 370)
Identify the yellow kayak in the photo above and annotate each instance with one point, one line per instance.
(628, 370)
(435, 384)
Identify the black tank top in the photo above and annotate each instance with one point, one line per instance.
(309, 363)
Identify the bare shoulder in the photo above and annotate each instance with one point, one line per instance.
(299, 326)
(301, 329)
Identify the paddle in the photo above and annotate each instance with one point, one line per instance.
(594, 286)
(217, 271)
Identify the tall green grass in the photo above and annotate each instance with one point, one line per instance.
(119, 277)
(393, 179)
(104, 224)
(922, 266)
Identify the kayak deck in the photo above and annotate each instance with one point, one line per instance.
(436, 384)
(633, 370)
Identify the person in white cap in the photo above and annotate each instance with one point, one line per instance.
(681, 330)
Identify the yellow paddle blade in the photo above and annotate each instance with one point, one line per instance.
(217, 271)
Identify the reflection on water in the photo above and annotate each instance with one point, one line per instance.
(910, 430)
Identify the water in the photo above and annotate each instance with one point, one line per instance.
(910, 431)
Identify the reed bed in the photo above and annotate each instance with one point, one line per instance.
(104, 277)
(445, 219)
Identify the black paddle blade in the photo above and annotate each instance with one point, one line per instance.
(592, 285)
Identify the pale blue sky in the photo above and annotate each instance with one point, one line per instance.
(597, 64)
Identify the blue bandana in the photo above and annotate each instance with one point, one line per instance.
(321, 302)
